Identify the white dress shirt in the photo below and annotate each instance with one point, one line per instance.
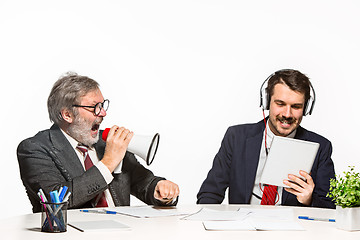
(97, 163)
(262, 159)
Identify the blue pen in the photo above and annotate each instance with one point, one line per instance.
(317, 219)
(62, 193)
(55, 196)
(98, 211)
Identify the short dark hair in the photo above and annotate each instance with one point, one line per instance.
(294, 79)
(66, 92)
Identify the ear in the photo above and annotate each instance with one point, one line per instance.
(67, 115)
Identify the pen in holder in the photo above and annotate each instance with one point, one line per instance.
(53, 216)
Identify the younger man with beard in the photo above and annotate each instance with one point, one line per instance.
(71, 154)
(242, 155)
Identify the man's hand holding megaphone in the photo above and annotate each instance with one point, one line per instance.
(117, 143)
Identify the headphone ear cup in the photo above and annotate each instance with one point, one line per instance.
(309, 105)
(306, 107)
(266, 101)
(264, 98)
(267, 106)
(311, 102)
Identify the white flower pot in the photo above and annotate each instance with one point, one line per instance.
(348, 218)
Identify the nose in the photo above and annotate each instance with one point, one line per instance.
(287, 112)
(102, 113)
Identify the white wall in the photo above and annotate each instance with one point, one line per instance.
(185, 69)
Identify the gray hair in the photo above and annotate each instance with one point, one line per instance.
(66, 92)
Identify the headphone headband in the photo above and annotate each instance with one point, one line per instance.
(265, 99)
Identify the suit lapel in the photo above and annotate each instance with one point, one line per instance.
(253, 147)
(66, 159)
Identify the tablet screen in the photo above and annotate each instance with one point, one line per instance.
(288, 156)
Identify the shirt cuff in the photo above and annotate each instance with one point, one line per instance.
(105, 172)
(170, 202)
(119, 167)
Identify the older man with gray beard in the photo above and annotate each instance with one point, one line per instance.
(71, 154)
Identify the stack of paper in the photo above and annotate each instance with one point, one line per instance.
(247, 219)
(207, 214)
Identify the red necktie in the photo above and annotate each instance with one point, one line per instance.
(269, 195)
(88, 164)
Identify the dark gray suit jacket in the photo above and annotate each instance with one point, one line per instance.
(236, 163)
(48, 161)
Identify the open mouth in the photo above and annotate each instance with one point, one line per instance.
(95, 127)
(286, 122)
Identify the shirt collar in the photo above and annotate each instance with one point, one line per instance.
(270, 135)
(71, 140)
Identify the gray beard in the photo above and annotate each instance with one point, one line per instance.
(81, 131)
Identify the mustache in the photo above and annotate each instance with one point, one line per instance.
(290, 120)
(98, 121)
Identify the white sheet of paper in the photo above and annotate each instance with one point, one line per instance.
(266, 219)
(277, 225)
(101, 225)
(147, 211)
(229, 226)
(269, 213)
(207, 214)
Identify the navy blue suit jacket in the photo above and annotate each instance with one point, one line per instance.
(236, 163)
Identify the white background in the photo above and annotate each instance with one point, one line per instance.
(185, 69)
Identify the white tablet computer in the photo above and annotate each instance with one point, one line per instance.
(288, 156)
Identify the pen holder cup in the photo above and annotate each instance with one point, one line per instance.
(53, 217)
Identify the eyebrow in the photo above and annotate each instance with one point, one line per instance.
(93, 103)
(295, 104)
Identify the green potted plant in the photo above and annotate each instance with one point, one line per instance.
(345, 192)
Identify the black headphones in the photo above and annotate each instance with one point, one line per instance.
(265, 98)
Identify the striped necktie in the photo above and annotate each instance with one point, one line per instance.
(100, 200)
(269, 195)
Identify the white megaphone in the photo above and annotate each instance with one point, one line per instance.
(143, 146)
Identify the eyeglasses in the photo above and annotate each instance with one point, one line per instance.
(97, 108)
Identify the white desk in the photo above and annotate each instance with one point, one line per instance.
(27, 227)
